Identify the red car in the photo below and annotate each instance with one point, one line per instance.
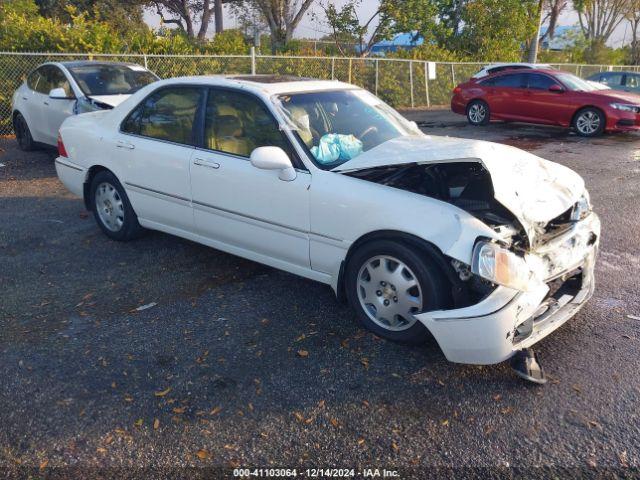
(547, 97)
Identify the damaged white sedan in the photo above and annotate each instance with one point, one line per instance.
(486, 247)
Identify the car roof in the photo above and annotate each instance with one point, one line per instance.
(82, 63)
(268, 84)
(548, 71)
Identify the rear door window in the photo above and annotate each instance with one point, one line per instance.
(169, 114)
(516, 80)
(34, 78)
(632, 81)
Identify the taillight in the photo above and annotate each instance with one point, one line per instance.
(61, 150)
(457, 90)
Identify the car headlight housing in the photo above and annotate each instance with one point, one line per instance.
(626, 107)
(582, 207)
(500, 265)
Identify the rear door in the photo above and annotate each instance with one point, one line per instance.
(502, 92)
(153, 149)
(34, 103)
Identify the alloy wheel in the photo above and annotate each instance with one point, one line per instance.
(389, 292)
(477, 113)
(588, 122)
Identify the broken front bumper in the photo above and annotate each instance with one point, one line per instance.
(509, 320)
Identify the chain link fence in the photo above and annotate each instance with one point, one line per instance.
(401, 83)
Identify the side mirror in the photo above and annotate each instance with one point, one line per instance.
(274, 158)
(555, 88)
(58, 94)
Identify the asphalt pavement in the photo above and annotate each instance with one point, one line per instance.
(232, 364)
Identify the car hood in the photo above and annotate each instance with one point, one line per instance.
(111, 100)
(617, 96)
(533, 189)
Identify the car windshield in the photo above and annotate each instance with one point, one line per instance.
(336, 126)
(576, 84)
(102, 79)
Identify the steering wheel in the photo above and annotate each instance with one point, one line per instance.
(367, 131)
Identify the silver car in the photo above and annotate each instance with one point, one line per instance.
(56, 90)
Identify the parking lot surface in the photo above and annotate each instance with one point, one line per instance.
(234, 364)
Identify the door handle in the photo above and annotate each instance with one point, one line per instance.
(25, 98)
(123, 144)
(46, 103)
(206, 163)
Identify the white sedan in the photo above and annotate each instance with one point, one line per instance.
(485, 246)
(56, 90)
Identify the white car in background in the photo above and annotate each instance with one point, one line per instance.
(487, 247)
(499, 67)
(57, 90)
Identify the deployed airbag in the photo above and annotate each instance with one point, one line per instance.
(335, 146)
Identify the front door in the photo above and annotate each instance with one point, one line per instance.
(154, 149)
(249, 209)
(56, 110)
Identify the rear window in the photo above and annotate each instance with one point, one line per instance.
(516, 80)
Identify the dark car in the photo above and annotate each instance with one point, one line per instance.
(547, 97)
(625, 81)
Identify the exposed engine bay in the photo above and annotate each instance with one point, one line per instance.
(466, 185)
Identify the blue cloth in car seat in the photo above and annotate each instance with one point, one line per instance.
(336, 146)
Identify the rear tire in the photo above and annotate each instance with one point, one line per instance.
(387, 282)
(478, 113)
(23, 134)
(589, 122)
(111, 208)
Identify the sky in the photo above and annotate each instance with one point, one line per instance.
(309, 28)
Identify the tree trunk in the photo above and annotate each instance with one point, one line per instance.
(218, 15)
(535, 41)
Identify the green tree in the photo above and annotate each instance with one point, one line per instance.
(346, 25)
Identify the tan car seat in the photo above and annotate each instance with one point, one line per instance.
(298, 115)
(228, 136)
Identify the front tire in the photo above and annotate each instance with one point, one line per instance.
(589, 122)
(23, 134)
(478, 113)
(387, 283)
(111, 208)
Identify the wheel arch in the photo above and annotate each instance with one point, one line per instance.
(86, 187)
(459, 293)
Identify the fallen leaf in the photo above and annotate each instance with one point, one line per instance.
(577, 388)
(303, 353)
(179, 409)
(84, 214)
(301, 337)
(156, 424)
(101, 450)
(44, 464)
(334, 422)
(139, 422)
(445, 423)
(163, 392)
(592, 462)
(298, 416)
(203, 454)
(497, 397)
(506, 410)
(365, 403)
(250, 406)
(394, 445)
(365, 362)
(321, 404)
(624, 459)
(361, 441)
(215, 411)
